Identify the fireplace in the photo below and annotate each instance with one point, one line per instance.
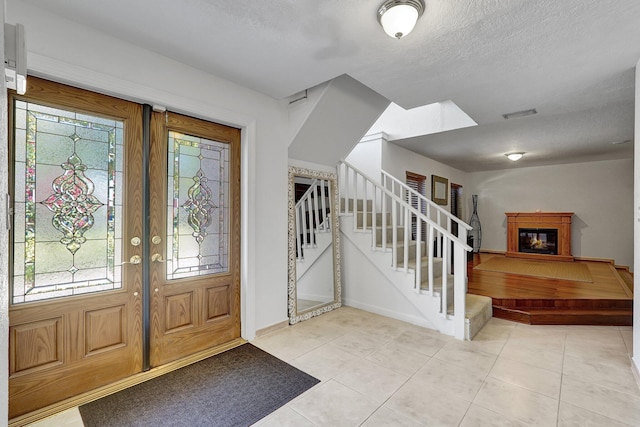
(538, 240)
(539, 235)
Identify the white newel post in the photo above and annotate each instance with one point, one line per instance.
(460, 291)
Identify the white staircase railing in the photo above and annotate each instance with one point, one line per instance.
(439, 215)
(387, 209)
(311, 214)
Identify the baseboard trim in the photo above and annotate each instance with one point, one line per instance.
(636, 370)
(492, 251)
(590, 259)
(414, 320)
(272, 328)
(117, 386)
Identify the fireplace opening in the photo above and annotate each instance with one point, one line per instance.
(538, 240)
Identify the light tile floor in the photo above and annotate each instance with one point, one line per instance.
(377, 371)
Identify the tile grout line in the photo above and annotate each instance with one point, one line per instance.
(564, 352)
(484, 380)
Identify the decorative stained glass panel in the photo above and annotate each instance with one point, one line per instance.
(198, 208)
(68, 169)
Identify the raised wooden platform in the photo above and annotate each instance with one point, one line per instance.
(607, 300)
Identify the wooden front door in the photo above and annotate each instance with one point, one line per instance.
(195, 236)
(75, 309)
(85, 260)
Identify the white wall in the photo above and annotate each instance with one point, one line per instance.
(397, 161)
(340, 118)
(4, 263)
(366, 288)
(300, 110)
(70, 52)
(599, 193)
(367, 156)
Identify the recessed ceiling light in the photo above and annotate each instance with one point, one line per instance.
(514, 157)
(517, 114)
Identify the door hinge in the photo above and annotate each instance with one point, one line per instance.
(9, 211)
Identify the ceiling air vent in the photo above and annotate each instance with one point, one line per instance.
(522, 113)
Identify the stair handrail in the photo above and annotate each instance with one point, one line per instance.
(460, 244)
(424, 199)
(422, 216)
(310, 203)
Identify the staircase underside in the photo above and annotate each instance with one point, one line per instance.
(541, 301)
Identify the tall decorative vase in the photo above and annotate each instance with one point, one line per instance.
(476, 227)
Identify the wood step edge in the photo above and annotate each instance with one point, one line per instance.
(621, 281)
(528, 303)
(578, 312)
(626, 276)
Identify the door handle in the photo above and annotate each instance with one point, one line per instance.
(157, 258)
(135, 260)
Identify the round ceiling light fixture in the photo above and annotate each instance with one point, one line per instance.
(514, 157)
(399, 17)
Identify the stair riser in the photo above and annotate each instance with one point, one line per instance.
(424, 268)
(389, 233)
(359, 204)
(412, 251)
(437, 271)
(437, 286)
(369, 215)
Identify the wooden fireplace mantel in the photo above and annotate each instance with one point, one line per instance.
(561, 221)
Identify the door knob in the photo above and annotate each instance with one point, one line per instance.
(135, 241)
(156, 240)
(156, 258)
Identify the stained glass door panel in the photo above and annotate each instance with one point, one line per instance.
(75, 310)
(198, 209)
(195, 229)
(68, 203)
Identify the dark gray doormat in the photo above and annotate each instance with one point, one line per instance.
(234, 388)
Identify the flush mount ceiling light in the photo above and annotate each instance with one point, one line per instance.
(399, 17)
(514, 157)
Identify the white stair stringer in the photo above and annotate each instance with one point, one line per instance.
(427, 305)
(312, 253)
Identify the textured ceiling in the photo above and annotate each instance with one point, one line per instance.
(572, 60)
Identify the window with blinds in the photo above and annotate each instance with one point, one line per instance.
(418, 183)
